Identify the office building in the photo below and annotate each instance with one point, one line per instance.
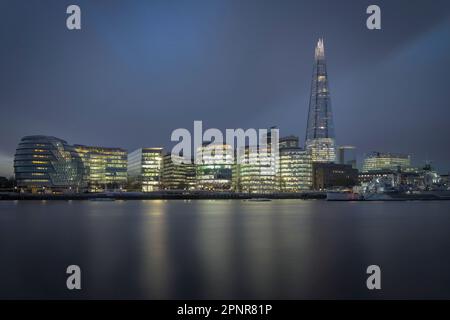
(145, 169)
(105, 168)
(295, 169)
(214, 164)
(378, 161)
(256, 171)
(177, 175)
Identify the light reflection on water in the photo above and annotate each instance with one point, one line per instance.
(215, 249)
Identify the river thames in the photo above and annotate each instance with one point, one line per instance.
(224, 249)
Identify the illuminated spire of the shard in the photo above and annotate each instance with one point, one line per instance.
(320, 50)
(320, 129)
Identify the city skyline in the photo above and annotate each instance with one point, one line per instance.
(251, 152)
(129, 85)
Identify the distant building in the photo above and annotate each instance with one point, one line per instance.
(145, 169)
(331, 175)
(6, 184)
(288, 142)
(105, 168)
(320, 139)
(47, 164)
(288, 170)
(214, 167)
(347, 155)
(3, 181)
(376, 161)
(177, 175)
(295, 169)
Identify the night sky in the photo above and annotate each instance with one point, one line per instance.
(140, 69)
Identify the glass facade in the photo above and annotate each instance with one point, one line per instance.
(43, 164)
(105, 168)
(295, 170)
(177, 176)
(377, 161)
(322, 150)
(145, 168)
(320, 128)
(256, 172)
(214, 167)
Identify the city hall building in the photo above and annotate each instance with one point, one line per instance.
(49, 164)
(45, 164)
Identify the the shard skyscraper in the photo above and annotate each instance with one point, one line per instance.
(320, 129)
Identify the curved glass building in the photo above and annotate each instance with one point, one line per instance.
(44, 163)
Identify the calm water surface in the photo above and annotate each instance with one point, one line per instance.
(283, 249)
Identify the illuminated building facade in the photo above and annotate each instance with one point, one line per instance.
(320, 139)
(145, 168)
(105, 168)
(378, 161)
(177, 175)
(214, 164)
(256, 171)
(47, 164)
(295, 169)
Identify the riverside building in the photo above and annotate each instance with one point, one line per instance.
(145, 169)
(105, 168)
(213, 166)
(47, 164)
(256, 171)
(178, 175)
(332, 175)
(295, 174)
